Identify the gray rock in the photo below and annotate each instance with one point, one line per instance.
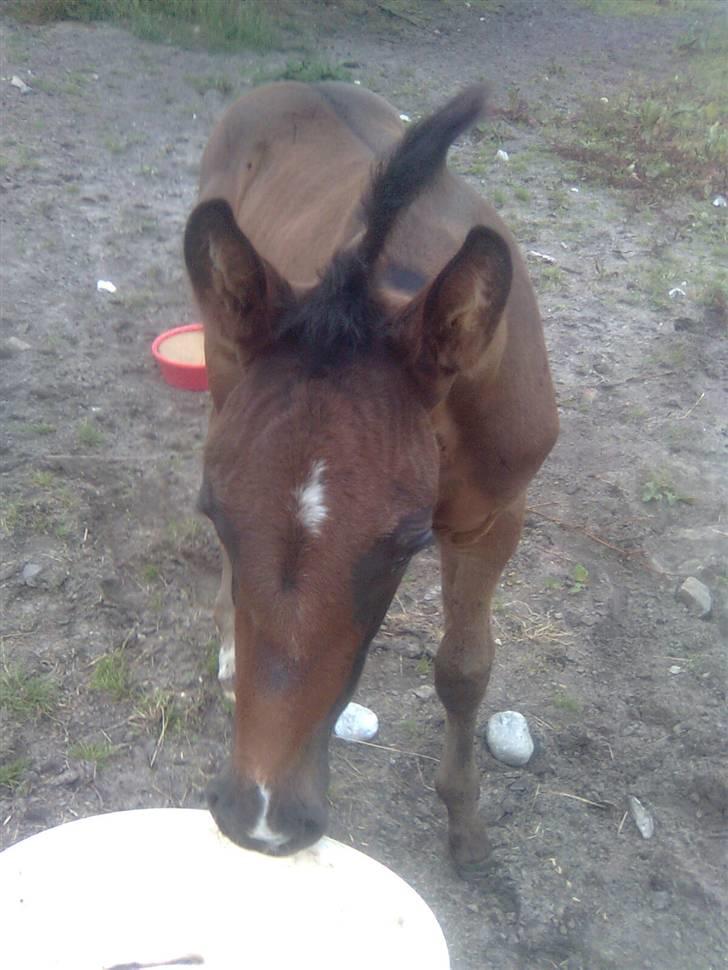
(696, 596)
(31, 571)
(509, 738)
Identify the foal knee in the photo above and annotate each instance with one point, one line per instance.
(462, 675)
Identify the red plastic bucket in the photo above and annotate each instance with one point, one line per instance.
(190, 376)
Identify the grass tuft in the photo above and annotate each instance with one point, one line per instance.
(89, 434)
(12, 774)
(111, 675)
(26, 696)
(95, 752)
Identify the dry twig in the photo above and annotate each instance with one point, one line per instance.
(385, 747)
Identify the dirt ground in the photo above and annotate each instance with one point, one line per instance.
(107, 578)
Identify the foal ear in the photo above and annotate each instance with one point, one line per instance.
(240, 294)
(447, 329)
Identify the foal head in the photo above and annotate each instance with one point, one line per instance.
(321, 469)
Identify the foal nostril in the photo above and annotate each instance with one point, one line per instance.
(309, 824)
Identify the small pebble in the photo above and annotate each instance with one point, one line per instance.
(509, 739)
(356, 723)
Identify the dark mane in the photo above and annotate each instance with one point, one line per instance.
(341, 317)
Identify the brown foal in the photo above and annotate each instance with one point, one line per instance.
(379, 381)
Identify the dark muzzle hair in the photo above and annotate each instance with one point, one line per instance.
(342, 317)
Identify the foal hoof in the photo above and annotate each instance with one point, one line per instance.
(471, 854)
(475, 870)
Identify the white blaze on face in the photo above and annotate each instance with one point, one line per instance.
(310, 499)
(262, 830)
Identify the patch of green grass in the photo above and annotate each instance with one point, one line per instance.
(714, 297)
(211, 657)
(47, 507)
(26, 696)
(211, 82)
(43, 479)
(225, 25)
(89, 434)
(111, 675)
(424, 666)
(150, 573)
(551, 277)
(96, 752)
(41, 428)
(579, 579)
(308, 71)
(636, 8)
(159, 709)
(23, 157)
(12, 774)
(522, 193)
(660, 137)
(409, 727)
(660, 489)
(568, 704)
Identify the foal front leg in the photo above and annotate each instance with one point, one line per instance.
(224, 616)
(462, 670)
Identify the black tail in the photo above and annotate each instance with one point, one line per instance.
(416, 162)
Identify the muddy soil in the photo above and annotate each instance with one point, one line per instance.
(623, 685)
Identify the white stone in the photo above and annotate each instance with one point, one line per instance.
(19, 83)
(509, 738)
(356, 723)
(696, 596)
(642, 818)
(541, 257)
(502, 155)
(16, 344)
(424, 693)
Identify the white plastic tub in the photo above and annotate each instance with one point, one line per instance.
(161, 885)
